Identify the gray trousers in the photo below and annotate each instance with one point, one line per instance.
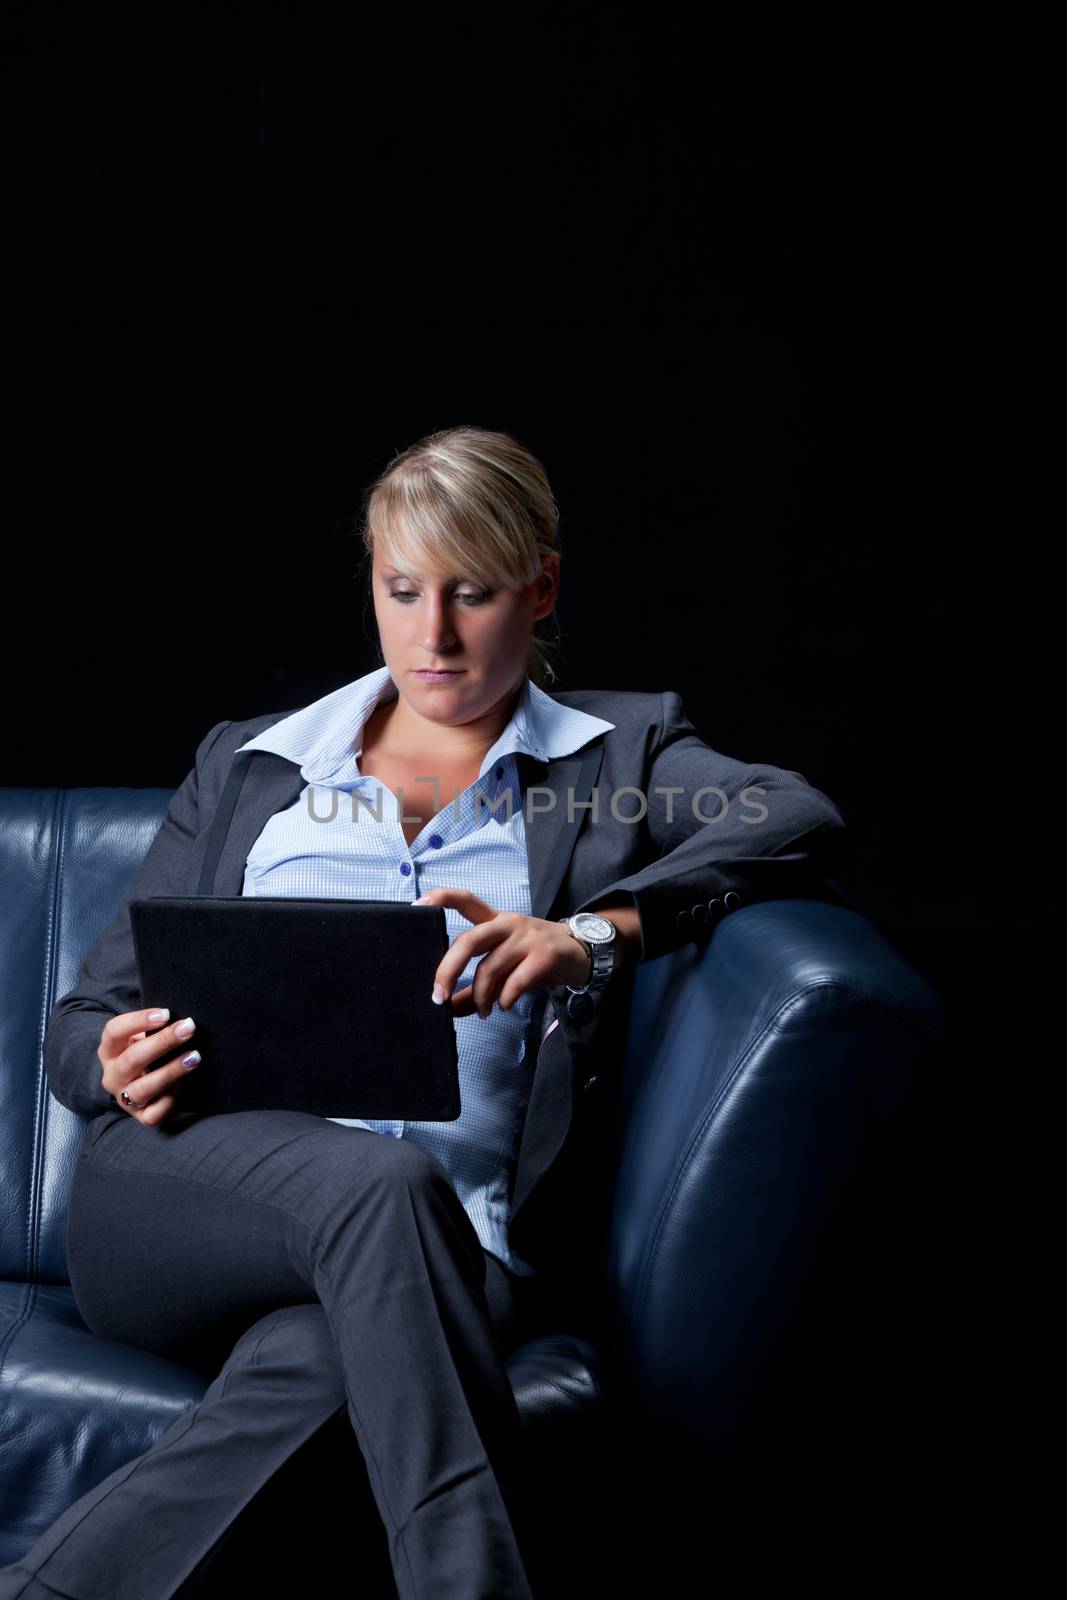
(335, 1276)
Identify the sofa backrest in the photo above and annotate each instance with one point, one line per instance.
(67, 856)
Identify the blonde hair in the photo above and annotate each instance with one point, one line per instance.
(472, 501)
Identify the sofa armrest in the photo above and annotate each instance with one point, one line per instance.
(762, 1069)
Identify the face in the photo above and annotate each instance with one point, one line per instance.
(480, 637)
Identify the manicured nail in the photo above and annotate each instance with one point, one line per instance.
(439, 994)
(184, 1028)
(159, 1016)
(191, 1059)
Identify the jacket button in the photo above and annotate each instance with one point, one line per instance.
(580, 1007)
(700, 913)
(715, 906)
(589, 1082)
(731, 900)
(683, 919)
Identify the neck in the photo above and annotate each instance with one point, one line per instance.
(399, 730)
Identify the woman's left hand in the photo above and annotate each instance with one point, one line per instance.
(523, 953)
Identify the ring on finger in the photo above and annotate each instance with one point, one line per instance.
(125, 1098)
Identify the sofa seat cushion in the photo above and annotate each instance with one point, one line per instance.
(73, 1406)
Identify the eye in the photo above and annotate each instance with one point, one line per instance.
(476, 598)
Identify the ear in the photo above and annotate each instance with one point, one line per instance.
(546, 586)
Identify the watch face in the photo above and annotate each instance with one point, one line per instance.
(589, 926)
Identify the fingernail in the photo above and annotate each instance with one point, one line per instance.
(184, 1028)
(423, 900)
(159, 1016)
(191, 1059)
(439, 994)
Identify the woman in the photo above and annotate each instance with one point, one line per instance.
(377, 1273)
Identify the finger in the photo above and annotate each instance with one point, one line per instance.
(140, 1058)
(144, 1054)
(490, 975)
(149, 1087)
(161, 1107)
(531, 973)
(118, 1031)
(475, 942)
(139, 1097)
(462, 900)
(463, 1002)
(508, 982)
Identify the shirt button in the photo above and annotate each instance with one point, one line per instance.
(405, 867)
(436, 841)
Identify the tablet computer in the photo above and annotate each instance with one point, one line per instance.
(303, 1004)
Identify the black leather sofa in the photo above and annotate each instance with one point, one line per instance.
(767, 1070)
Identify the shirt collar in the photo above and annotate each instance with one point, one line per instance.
(325, 738)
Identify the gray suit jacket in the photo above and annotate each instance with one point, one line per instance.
(773, 836)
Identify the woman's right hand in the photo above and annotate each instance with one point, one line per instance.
(126, 1053)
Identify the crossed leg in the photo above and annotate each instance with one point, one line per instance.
(393, 1330)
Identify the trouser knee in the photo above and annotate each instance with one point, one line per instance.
(402, 1184)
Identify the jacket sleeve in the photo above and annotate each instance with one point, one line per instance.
(107, 977)
(724, 835)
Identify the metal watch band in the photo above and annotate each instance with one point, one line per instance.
(603, 957)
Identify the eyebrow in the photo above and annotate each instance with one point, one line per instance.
(391, 572)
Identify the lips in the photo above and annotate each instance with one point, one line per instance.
(428, 674)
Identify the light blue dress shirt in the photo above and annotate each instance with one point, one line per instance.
(342, 838)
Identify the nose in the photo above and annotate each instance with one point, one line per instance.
(438, 635)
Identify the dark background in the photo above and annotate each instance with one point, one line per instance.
(738, 291)
(750, 291)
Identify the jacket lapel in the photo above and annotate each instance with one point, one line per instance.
(550, 833)
(550, 840)
(243, 811)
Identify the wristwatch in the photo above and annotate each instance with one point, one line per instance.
(598, 936)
